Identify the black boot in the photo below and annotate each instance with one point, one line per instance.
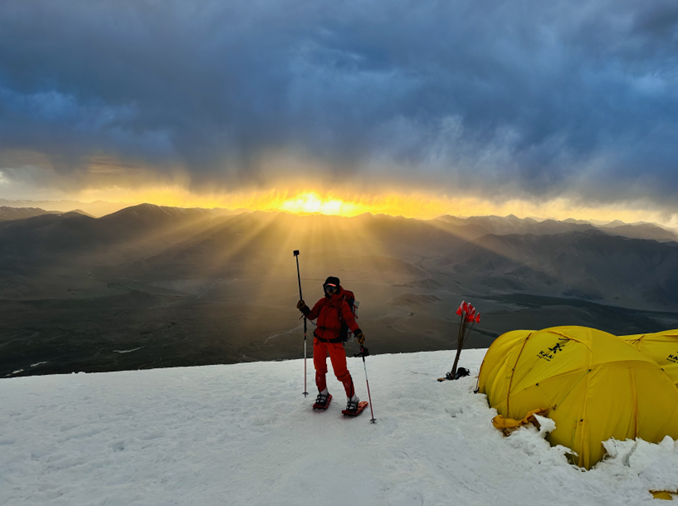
(322, 401)
(352, 404)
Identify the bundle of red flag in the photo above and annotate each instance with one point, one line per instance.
(469, 317)
(470, 312)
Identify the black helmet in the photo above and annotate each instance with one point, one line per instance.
(331, 281)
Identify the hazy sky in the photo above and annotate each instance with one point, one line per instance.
(497, 100)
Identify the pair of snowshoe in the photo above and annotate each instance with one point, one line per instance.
(353, 408)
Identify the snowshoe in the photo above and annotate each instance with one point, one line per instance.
(354, 408)
(322, 402)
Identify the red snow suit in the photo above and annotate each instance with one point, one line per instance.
(330, 311)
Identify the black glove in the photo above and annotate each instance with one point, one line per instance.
(301, 306)
(364, 352)
(359, 336)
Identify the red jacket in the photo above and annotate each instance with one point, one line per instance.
(330, 312)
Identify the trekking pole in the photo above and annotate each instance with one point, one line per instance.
(296, 255)
(362, 353)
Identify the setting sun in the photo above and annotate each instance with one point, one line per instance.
(418, 205)
(312, 203)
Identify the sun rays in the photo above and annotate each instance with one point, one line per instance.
(393, 201)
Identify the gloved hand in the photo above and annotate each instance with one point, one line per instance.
(359, 336)
(364, 352)
(301, 306)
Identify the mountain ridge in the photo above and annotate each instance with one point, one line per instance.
(186, 287)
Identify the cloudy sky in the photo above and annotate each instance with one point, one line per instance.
(512, 105)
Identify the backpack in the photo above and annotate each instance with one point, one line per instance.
(345, 333)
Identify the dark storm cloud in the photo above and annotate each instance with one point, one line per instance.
(573, 98)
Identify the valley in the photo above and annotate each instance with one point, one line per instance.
(155, 287)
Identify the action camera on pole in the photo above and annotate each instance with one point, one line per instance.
(296, 255)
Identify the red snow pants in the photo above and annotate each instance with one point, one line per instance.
(338, 359)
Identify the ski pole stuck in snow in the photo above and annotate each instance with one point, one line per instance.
(469, 317)
(363, 353)
(296, 255)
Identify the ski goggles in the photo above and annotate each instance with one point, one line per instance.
(329, 287)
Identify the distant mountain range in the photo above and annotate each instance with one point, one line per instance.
(21, 213)
(470, 227)
(174, 286)
(513, 225)
(587, 265)
(631, 264)
(97, 208)
(41, 243)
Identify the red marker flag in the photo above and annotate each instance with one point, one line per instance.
(469, 317)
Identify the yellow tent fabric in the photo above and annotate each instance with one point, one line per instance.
(508, 424)
(662, 347)
(595, 386)
(662, 494)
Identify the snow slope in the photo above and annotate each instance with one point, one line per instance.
(244, 435)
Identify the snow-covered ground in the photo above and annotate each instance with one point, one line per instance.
(244, 435)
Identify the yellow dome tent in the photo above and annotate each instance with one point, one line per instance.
(662, 347)
(593, 385)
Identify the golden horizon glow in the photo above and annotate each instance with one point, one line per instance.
(312, 203)
(416, 205)
(134, 184)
